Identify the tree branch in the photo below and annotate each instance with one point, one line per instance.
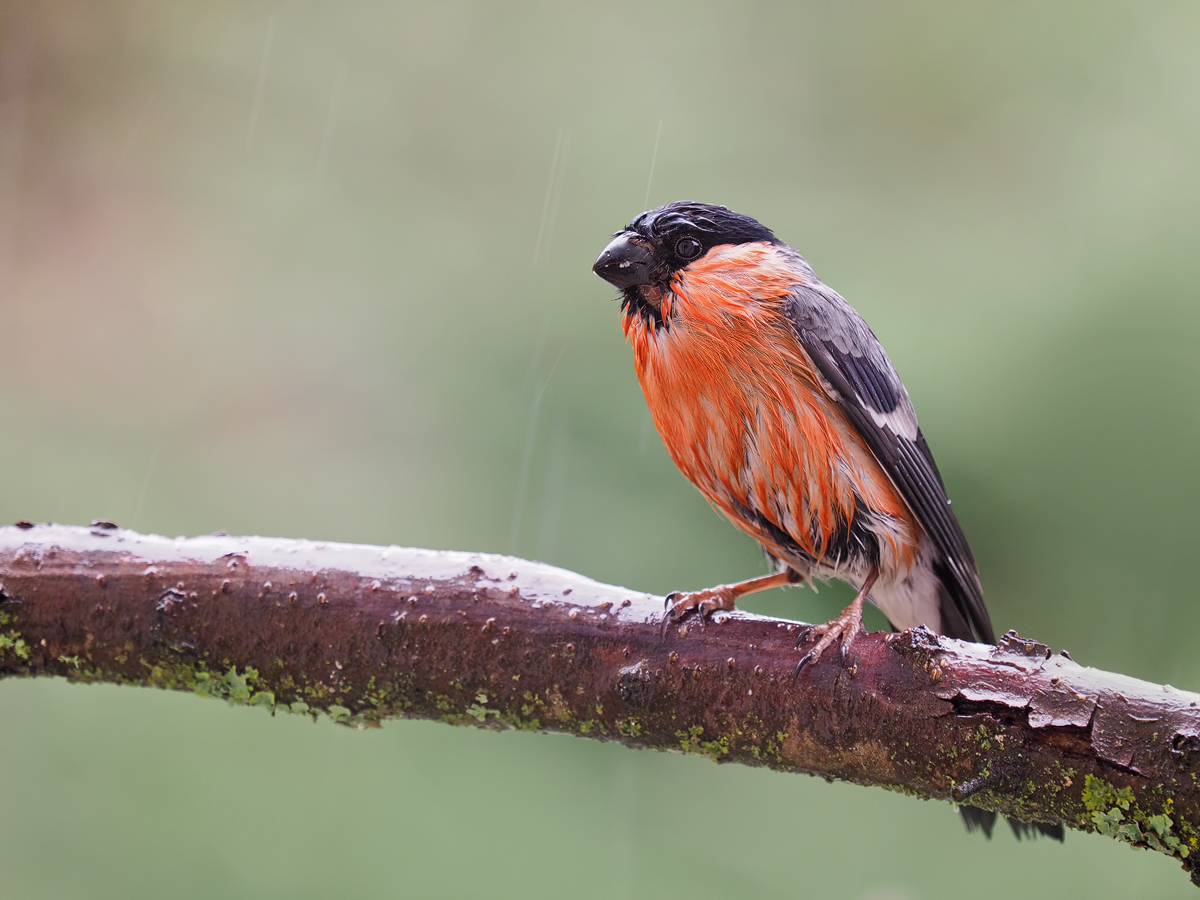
(368, 633)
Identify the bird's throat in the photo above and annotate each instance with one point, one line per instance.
(651, 295)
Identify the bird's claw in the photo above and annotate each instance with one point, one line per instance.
(679, 603)
(804, 660)
(668, 617)
(844, 629)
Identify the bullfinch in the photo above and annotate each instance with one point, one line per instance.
(777, 401)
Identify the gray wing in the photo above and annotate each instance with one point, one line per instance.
(863, 381)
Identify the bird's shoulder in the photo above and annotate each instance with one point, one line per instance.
(855, 367)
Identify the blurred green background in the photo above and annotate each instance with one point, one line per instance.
(322, 270)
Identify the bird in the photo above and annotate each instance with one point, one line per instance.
(776, 400)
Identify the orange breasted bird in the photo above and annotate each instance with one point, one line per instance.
(777, 401)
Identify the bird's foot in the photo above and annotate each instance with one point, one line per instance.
(845, 627)
(723, 596)
(706, 602)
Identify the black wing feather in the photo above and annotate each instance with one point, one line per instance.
(850, 358)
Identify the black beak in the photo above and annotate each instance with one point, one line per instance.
(624, 264)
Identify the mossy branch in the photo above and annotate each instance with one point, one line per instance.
(364, 634)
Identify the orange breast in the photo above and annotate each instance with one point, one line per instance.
(743, 415)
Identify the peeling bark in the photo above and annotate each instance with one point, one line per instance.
(368, 633)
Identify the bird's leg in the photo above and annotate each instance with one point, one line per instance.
(723, 596)
(845, 626)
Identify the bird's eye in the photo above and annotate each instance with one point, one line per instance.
(687, 248)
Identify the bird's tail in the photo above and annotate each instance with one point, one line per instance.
(977, 819)
(955, 625)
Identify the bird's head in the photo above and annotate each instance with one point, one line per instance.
(642, 259)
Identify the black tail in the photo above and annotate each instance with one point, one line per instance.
(955, 625)
(977, 819)
(960, 610)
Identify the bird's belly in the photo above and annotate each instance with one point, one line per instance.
(771, 451)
